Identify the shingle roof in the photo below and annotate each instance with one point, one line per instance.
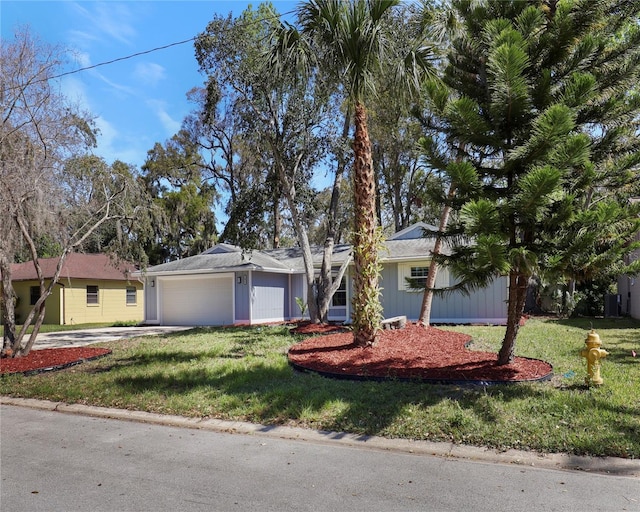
(222, 258)
(228, 258)
(292, 256)
(408, 249)
(412, 232)
(76, 266)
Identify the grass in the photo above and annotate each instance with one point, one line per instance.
(242, 374)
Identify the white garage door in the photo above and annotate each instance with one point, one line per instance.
(197, 300)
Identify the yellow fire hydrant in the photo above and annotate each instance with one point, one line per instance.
(593, 353)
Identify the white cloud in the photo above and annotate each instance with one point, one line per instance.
(170, 125)
(113, 145)
(81, 38)
(117, 87)
(149, 73)
(82, 58)
(111, 19)
(108, 134)
(75, 91)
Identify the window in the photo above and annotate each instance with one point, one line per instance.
(132, 296)
(92, 294)
(418, 272)
(34, 295)
(339, 298)
(418, 275)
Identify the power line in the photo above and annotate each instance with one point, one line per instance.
(145, 52)
(119, 59)
(122, 58)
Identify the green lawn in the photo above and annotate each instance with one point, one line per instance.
(242, 373)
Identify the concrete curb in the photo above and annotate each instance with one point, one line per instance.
(603, 465)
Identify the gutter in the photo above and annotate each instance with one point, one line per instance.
(221, 270)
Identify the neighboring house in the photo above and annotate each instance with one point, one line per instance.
(226, 285)
(92, 288)
(629, 288)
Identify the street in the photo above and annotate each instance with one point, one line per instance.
(51, 461)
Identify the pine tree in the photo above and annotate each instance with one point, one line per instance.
(541, 98)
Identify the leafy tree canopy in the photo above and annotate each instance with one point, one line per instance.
(541, 99)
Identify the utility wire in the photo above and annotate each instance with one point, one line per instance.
(100, 64)
(122, 58)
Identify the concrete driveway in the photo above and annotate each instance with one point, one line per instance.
(89, 336)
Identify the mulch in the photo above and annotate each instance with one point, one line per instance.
(50, 359)
(412, 353)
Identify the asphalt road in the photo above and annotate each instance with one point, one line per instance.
(52, 461)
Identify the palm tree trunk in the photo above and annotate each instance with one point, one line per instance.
(367, 312)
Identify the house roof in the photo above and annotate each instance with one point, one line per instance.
(406, 245)
(76, 266)
(413, 232)
(292, 256)
(223, 258)
(410, 249)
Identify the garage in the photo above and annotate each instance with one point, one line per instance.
(196, 300)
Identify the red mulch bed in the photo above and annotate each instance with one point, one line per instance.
(311, 328)
(411, 353)
(49, 359)
(414, 353)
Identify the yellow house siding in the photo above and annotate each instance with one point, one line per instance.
(112, 302)
(52, 304)
(67, 303)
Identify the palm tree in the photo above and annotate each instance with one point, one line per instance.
(347, 40)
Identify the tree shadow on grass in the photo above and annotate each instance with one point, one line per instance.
(598, 324)
(278, 394)
(621, 356)
(274, 394)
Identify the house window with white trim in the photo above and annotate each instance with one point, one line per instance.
(92, 294)
(418, 275)
(417, 272)
(339, 298)
(132, 296)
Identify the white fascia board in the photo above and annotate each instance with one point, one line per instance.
(167, 273)
(278, 270)
(221, 270)
(402, 259)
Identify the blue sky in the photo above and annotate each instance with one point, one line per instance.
(139, 101)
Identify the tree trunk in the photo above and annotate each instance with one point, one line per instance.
(327, 286)
(38, 310)
(34, 333)
(427, 298)
(378, 199)
(289, 191)
(277, 222)
(517, 297)
(312, 303)
(367, 312)
(325, 281)
(8, 309)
